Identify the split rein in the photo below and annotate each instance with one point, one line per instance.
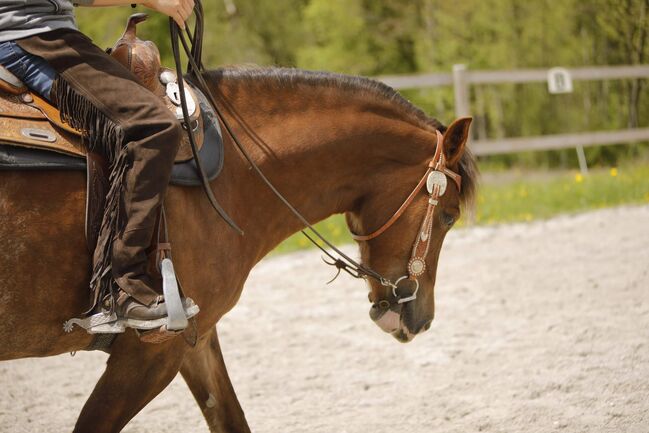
(435, 180)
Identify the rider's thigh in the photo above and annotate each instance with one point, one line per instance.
(32, 70)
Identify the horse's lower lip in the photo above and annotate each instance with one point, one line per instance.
(403, 337)
(389, 321)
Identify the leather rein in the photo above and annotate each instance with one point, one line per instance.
(434, 179)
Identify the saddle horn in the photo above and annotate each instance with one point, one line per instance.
(140, 57)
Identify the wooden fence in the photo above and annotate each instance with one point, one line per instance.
(461, 78)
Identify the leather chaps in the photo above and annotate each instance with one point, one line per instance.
(139, 136)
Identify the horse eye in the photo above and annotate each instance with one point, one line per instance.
(447, 219)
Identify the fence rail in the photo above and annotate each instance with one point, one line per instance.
(417, 81)
(461, 79)
(559, 141)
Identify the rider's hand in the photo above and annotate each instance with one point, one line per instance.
(179, 10)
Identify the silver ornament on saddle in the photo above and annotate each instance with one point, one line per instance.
(169, 79)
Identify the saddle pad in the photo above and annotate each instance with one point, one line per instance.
(183, 174)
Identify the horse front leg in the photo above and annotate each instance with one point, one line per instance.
(135, 373)
(204, 371)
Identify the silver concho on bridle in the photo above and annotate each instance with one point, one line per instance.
(417, 265)
(436, 181)
(436, 178)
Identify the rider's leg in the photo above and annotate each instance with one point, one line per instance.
(141, 137)
(32, 70)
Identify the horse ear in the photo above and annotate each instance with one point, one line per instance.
(455, 139)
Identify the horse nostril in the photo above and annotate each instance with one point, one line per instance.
(427, 325)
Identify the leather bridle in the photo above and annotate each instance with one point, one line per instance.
(436, 183)
(434, 179)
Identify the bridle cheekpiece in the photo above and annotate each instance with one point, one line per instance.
(435, 180)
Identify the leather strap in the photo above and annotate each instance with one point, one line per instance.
(397, 214)
(164, 246)
(52, 113)
(417, 263)
(436, 164)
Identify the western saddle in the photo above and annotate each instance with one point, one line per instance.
(29, 120)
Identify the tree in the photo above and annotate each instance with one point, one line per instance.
(337, 38)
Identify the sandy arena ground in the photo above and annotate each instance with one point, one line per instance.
(540, 327)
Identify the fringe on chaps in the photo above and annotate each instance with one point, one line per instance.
(101, 135)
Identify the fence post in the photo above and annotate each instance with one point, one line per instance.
(462, 109)
(461, 91)
(581, 157)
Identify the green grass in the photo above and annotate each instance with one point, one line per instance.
(526, 196)
(529, 197)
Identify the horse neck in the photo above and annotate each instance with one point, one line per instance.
(323, 153)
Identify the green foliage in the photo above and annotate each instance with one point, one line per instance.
(338, 39)
(374, 37)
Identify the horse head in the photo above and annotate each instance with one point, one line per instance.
(406, 248)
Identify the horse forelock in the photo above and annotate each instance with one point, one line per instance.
(290, 78)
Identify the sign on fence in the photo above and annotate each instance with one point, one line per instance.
(559, 81)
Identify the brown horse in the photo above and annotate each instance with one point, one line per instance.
(330, 143)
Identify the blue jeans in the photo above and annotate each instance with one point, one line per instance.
(32, 70)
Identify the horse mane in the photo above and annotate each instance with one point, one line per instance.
(286, 78)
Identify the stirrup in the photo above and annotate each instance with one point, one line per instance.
(179, 310)
(188, 310)
(177, 313)
(105, 323)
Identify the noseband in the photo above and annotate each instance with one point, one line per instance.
(435, 181)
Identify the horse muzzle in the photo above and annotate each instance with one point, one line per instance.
(389, 317)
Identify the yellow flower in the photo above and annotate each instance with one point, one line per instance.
(579, 178)
(613, 172)
(528, 217)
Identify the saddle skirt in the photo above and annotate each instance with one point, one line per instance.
(28, 120)
(29, 140)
